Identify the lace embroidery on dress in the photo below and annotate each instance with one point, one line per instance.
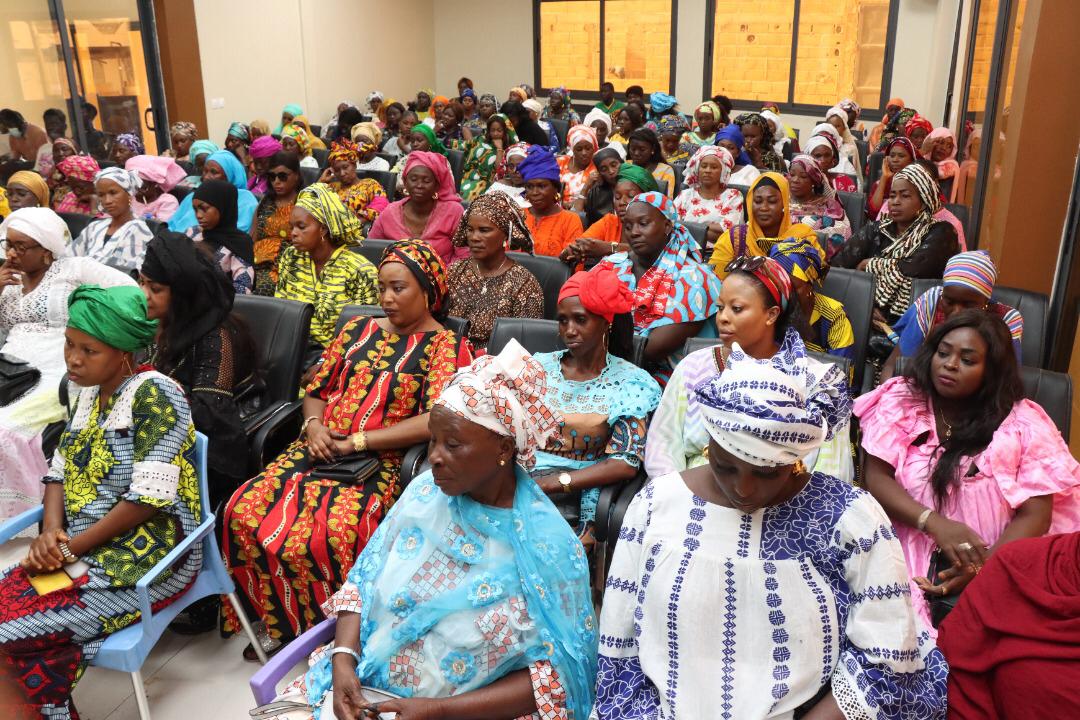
(156, 480)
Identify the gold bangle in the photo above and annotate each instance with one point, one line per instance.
(359, 441)
(308, 422)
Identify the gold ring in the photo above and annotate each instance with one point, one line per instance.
(964, 546)
(943, 591)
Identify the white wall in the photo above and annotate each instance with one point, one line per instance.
(488, 41)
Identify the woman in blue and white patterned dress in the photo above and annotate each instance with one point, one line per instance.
(751, 588)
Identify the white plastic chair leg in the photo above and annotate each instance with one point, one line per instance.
(140, 695)
(248, 630)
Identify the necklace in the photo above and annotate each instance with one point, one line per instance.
(948, 427)
(483, 277)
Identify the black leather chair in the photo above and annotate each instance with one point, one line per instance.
(316, 130)
(372, 249)
(281, 329)
(321, 156)
(963, 214)
(551, 273)
(180, 192)
(388, 180)
(854, 207)
(856, 291)
(309, 176)
(457, 165)
(391, 159)
(561, 127)
(698, 230)
(679, 169)
(873, 168)
(864, 151)
(76, 222)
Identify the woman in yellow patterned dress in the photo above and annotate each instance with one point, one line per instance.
(290, 538)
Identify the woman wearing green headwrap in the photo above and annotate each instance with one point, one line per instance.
(604, 237)
(423, 139)
(121, 494)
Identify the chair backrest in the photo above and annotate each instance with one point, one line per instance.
(321, 156)
(391, 159)
(697, 343)
(963, 214)
(180, 192)
(280, 328)
(310, 175)
(661, 185)
(550, 272)
(76, 222)
(679, 169)
(698, 230)
(316, 130)
(864, 151)
(539, 336)
(372, 249)
(855, 290)
(457, 165)
(561, 127)
(459, 325)
(854, 207)
(874, 164)
(388, 180)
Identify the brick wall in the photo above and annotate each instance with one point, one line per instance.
(983, 53)
(570, 42)
(752, 49)
(637, 47)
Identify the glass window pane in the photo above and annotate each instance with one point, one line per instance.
(841, 51)
(637, 44)
(570, 44)
(752, 49)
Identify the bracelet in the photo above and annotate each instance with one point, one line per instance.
(308, 422)
(923, 517)
(614, 248)
(69, 557)
(346, 651)
(359, 441)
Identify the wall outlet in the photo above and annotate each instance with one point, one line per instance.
(217, 103)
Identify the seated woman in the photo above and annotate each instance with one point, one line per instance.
(600, 122)
(604, 237)
(220, 165)
(367, 137)
(375, 385)
(77, 174)
(917, 128)
(122, 492)
(899, 153)
(759, 143)
(261, 152)
(967, 284)
(821, 321)
(159, 175)
(603, 398)
(560, 107)
(760, 292)
(670, 129)
(814, 204)
(365, 197)
(232, 248)
(489, 284)
(491, 644)
(26, 189)
(849, 151)
(551, 226)
(238, 139)
(119, 239)
(485, 155)
(395, 113)
(883, 133)
(627, 120)
(318, 268)
(600, 186)
(270, 230)
(909, 244)
(743, 171)
(960, 460)
(674, 293)
(643, 149)
(295, 140)
(314, 141)
(421, 138)
(1011, 640)
(124, 147)
(769, 222)
(707, 200)
(482, 109)
(430, 212)
(824, 147)
(707, 120)
(782, 144)
(576, 166)
(37, 278)
(795, 603)
(200, 151)
(448, 124)
(182, 134)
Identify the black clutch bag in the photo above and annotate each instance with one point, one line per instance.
(351, 469)
(16, 378)
(940, 605)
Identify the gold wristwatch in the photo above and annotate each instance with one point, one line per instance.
(565, 480)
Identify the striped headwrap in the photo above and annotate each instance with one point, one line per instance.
(128, 180)
(240, 130)
(326, 207)
(425, 265)
(343, 150)
(800, 258)
(712, 107)
(973, 269)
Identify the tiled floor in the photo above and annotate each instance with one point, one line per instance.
(187, 678)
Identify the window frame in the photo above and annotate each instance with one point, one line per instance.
(788, 106)
(593, 96)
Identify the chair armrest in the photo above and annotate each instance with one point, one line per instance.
(410, 464)
(622, 504)
(274, 422)
(608, 495)
(142, 587)
(20, 522)
(264, 681)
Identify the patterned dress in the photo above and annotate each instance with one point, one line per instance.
(139, 449)
(826, 215)
(272, 234)
(711, 612)
(347, 278)
(481, 167)
(290, 539)
(358, 198)
(235, 267)
(515, 293)
(831, 330)
(726, 208)
(123, 250)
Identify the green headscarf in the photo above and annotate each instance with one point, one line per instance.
(434, 142)
(116, 316)
(639, 176)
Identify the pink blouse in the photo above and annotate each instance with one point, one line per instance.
(1026, 458)
(439, 232)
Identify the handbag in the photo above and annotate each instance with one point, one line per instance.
(17, 377)
(940, 605)
(351, 469)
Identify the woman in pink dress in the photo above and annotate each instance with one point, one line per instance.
(959, 460)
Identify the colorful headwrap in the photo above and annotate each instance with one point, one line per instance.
(800, 258)
(600, 291)
(906, 143)
(850, 106)
(66, 142)
(562, 92)
(671, 125)
(773, 412)
(440, 167)
(440, 99)
(659, 102)
(540, 164)
(326, 207)
(264, 146)
(433, 142)
(130, 141)
(753, 118)
(505, 214)
(713, 109)
(292, 109)
(33, 182)
(681, 244)
(893, 102)
(916, 122)
(240, 130)
(974, 270)
(207, 147)
(79, 167)
(468, 92)
(297, 133)
(520, 150)
(128, 181)
(813, 171)
(343, 150)
(505, 394)
(425, 265)
(721, 154)
(116, 316)
(733, 134)
(775, 279)
(597, 114)
(639, 176)
(520, 92)
(41, 225)
(581, 132)
(184, 129)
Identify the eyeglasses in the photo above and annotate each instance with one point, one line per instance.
(747, 263)
(282, 176)
(5, 246)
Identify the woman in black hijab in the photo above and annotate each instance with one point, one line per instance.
(233, 249)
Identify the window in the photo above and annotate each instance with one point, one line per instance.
(633, 49)
(806, 54)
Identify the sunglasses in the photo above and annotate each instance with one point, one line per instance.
(747, 263)
(282, 176)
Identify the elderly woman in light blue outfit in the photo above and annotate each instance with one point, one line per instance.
(118, 240)
(473, 596)
(221, 165)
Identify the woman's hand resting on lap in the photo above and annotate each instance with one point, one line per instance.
(45, 555)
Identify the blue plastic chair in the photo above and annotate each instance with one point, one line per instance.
(127, 649)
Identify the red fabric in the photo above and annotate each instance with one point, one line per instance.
(600, 291)
(1013, 641)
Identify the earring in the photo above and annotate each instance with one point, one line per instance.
(558, 197)
(799, 469)
(502, 463)
(435, 196)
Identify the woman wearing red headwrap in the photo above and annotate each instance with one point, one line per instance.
(603, 398)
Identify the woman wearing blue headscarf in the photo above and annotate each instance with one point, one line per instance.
(744, 172)
(221, 165)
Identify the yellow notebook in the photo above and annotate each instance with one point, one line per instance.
(60, 579)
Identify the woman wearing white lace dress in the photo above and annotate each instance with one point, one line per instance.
(38, 276)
